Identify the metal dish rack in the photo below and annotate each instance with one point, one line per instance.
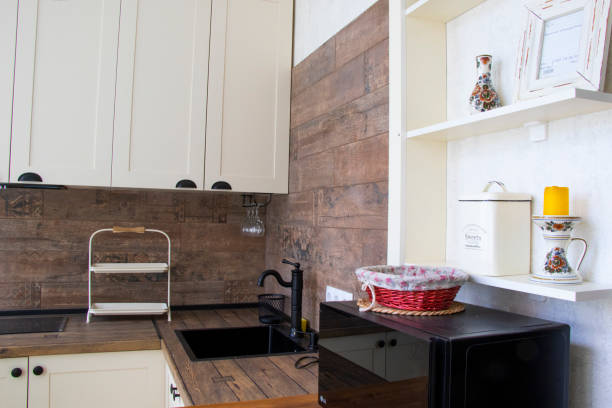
(128, 308)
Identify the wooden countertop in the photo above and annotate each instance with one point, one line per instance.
(223, 381)
(300, 401)
(203, 382)
(101, 335)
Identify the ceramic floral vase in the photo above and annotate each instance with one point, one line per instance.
(484, 97)
(556, 232)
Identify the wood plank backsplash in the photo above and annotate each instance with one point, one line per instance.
(333, 220)
(335, 217)
(44, 247)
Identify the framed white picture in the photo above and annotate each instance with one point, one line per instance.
(564, 43)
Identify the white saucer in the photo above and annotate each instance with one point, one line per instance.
(556, 217)
(566, 281)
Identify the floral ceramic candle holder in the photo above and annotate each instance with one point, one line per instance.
(484, 97)
(556, 232)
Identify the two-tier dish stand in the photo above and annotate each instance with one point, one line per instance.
(128, 308)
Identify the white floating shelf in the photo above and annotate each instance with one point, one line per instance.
(129, 267)
(521, 283)
(562, 104)
(128, 309)
(440, 10)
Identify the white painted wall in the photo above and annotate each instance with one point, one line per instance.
(577, 154)
(503, 22)
(316, 21)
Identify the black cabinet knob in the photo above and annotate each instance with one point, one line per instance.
(393, 342)
(16, 372)
(380, 343)
(221, 185)
(186, 184)
(174, 392)
(38, 370)
(30, 177)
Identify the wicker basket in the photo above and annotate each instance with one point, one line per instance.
(412, 287)
(437, 299)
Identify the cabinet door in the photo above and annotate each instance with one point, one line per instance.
(367, 350)
(407, 357)
(161, 93)
(8, 27)
(247, 138)
(173, 396)
(64, 90)
(130, 379)
(13, 385)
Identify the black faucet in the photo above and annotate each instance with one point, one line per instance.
(296, 285)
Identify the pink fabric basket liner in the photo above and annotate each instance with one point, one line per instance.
(411, 277)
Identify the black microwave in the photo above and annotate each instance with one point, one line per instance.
(479, 358)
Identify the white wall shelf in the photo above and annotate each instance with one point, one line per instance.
(572, 293)
(419, 129)
(563, 103)
(129, 268)
(124, 309)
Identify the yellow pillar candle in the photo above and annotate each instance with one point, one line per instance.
(556, 200)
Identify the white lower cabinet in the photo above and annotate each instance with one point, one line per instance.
(99, 380)
(14, 382)
(173, 397)
(130, 379)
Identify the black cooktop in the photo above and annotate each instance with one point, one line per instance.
(32, 324)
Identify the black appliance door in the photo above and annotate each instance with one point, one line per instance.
(527, 372)
(363, 364)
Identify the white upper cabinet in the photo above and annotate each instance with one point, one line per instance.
(146, 93)
(64, 90)
(160, 124)
(8, 27)
(247, 140)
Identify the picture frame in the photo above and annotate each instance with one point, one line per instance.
(564, 43)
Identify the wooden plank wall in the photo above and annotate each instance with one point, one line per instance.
(335, 217)
(333, 220)
(44, 245)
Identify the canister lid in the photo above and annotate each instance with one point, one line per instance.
(504, 195)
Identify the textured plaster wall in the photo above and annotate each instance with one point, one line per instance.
(576, 154)
(318, 20)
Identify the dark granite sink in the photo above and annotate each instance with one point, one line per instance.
(214, 344)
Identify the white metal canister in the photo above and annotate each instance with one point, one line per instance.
(494, 236)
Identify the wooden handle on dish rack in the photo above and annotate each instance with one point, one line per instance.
(138, 230)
